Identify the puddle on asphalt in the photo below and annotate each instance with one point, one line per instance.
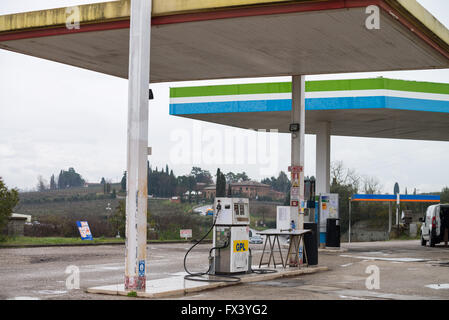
(442, 286)
(290, 283)
(374, 253)
(352, 298)
(177, 274)
(441, 264)
(385, 259)
(378, 295)
(102, 267)
(23, 298)
(52, 292)
(41, 259)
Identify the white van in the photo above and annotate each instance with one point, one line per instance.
(434, 224)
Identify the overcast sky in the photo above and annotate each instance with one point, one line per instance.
(54, 116)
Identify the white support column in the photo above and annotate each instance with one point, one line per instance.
(297, 156)
(136, 184)
(323, 157)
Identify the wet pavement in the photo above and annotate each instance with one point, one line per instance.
(407, 271)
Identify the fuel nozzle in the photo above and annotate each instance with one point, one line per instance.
(218, 205)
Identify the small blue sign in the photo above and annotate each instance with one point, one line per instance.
(142, 268)
(84, 230)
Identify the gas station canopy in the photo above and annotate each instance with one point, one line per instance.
(380, 108)
(394, 198)
(193, 40)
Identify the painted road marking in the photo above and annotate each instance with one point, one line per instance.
(438, 286)
(347, 265)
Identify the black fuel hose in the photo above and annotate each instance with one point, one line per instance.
(260, 270)
(195, 276)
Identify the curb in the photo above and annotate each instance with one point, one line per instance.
(183, 290)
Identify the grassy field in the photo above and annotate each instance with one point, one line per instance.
(56, 241)
(38, 241)
(68, 208)
(58, 210)
(65, 193)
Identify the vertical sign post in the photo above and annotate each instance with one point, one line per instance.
(297, 204)
(398, 203)
(137, 153)
(349, 227)
(297, 149)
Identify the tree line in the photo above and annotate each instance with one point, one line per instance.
(163, 182)
(8, 200)
(66, 179)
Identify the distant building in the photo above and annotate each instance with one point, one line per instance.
(16, 225)
(246, 189)
(175, 199)
(209, 191)
(18, 215)
(193, 194)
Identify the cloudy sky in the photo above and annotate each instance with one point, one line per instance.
(54, 116)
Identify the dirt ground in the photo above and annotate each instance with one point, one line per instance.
(406, 271)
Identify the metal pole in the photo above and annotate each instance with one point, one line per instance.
(350, 209)
(318, 219)
(397, 211)
(297, 149)
(323, 158)
(137, 153)
(390, 213)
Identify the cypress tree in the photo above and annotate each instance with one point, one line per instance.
(220, 189)
(61, 182)
(123, 182)
(53, 183)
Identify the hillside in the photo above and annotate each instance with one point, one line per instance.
(57, 211)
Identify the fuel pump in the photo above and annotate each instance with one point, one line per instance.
(231, 236)
(230, 253)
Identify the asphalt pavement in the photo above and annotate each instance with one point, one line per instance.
(391, 270)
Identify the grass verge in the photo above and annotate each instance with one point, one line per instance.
(43, 241)
(56, 241)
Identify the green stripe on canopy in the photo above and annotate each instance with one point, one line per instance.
(311, 86)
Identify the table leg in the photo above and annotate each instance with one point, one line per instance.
(304, 252)
(297, 244)
(289, 252)
(271, 252)
(280, 252)
(291, 249)
(263, 251)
